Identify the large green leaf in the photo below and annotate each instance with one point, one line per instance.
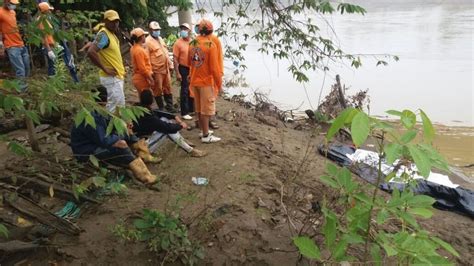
(421, 160)
(393, 151)
(423, 212)
(307, 247)
(394, 112)
(360, 128)
(329, 230)
(428, 129)
(446, 246)
(408, 119)
(338, 123)
(3, 231)
(375, 252)
(408, 136)
(329, 181)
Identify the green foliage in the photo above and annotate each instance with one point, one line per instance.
(307, 247)
(165, 235)
(350, 223)
(286, 30)
(3, 231)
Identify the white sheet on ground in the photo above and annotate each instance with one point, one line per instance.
(372, 158)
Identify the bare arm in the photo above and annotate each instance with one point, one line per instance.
(93, 55)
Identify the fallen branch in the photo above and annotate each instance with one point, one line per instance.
(42, 215)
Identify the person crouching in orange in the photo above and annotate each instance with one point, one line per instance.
(142, 77)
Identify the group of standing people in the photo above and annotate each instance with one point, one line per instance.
(198, 64)
(197, 68)
(12, 44)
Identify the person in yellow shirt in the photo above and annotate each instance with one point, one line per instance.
(161, 65)
(142, 77)
(105, 54)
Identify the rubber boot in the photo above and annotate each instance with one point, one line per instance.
(169, 103)
(140, 148)
(141, 172)
(159, 102)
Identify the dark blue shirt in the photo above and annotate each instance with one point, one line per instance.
(85, 139)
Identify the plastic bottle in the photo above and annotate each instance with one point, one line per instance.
(200, 181)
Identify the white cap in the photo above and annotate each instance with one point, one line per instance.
(154, 25)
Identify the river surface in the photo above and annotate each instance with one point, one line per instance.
(433, 38)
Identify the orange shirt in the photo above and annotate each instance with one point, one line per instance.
(204, 63)
(140, 61)
(180, 51)
(9, 29)
(48, 37)
(216, 40)
(158, 55)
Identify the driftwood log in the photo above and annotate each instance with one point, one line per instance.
(27, 207)
(44, 187)
(17, 246)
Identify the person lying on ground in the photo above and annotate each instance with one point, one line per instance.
(161, 125)
(108, 148)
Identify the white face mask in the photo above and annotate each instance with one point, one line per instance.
(11, 6)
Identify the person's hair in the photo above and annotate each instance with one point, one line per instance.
(146, 98)
(134, 39)
(102, 97)
(205, 32)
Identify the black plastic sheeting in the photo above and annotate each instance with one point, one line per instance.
(458, 199)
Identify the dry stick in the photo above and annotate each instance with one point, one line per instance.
(290, 222)
(374, 195)
(341, 93)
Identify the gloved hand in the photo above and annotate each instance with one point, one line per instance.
(51, 55)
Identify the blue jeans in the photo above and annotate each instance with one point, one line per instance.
(20, 60)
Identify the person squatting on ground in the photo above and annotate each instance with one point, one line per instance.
(180, 56)
(160, 126)
(142, 77)
(204, 75)
(110, 148)
(105, 54)
(161, 65)
(12, 43)
(50, 48)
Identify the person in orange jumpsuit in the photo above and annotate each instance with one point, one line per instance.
(204, 77)
(142, 77)
(161, 65)
(215, 39)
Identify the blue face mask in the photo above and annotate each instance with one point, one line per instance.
(11, 6)
(184, 34)
(156, 33)
(196, 29)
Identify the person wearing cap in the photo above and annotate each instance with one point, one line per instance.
(11, 42)
(51, 48)
(160, 63)
(180, 56)
(142, 77)
(215, 39)
(204, 76)
(105, 54)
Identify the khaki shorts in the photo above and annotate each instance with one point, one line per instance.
(204, 100)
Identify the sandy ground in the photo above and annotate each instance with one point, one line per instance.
(259, 175)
